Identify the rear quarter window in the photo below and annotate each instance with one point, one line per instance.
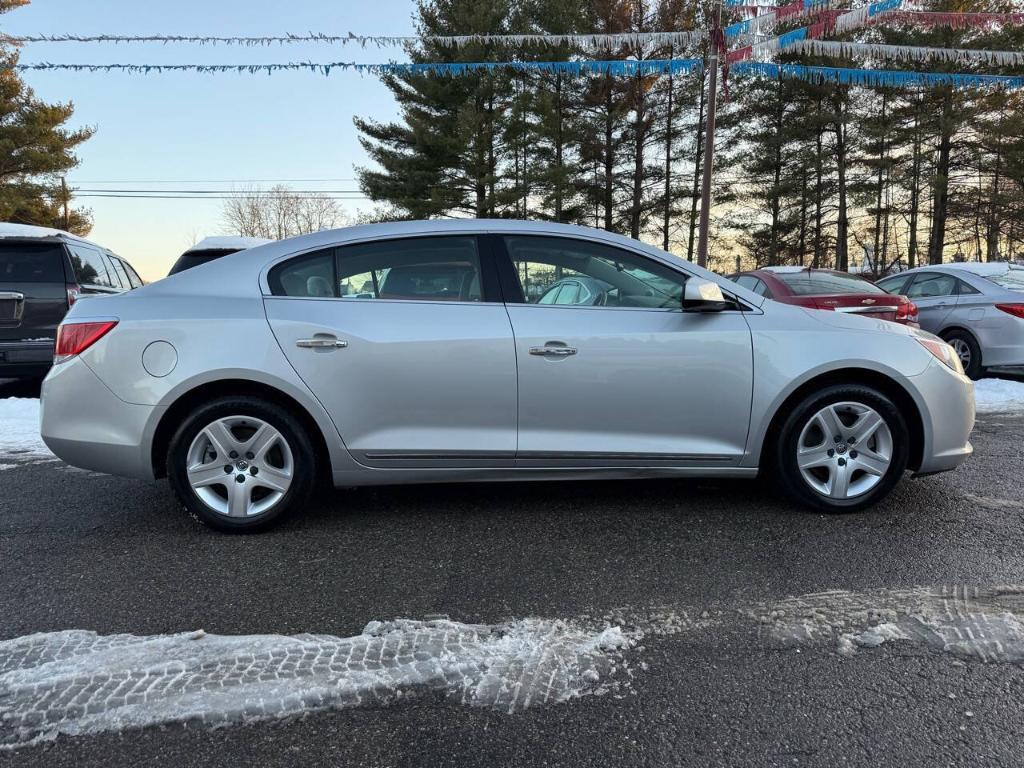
(31, 263)
(825, 283)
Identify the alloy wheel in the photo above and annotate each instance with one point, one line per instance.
(844, 450)
(239, 466)
(963, 351)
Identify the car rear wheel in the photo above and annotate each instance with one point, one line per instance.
(241, 464)
(967, 350)
(842, 449)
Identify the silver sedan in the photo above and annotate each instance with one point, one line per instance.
(418, 352)
(977, 307)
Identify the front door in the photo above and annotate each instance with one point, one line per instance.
(935, 294)
(407, 347)
(627, 377)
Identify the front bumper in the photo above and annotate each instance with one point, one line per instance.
(947, 410)
(88, 426)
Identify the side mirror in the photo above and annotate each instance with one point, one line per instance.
(703, 296)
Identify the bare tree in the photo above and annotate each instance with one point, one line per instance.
(280, 212)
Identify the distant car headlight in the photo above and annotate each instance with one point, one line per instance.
(943, 352)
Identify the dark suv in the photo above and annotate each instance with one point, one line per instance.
(42, 273)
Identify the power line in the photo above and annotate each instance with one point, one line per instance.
(232, 192)
(207, 181)
(215, 197)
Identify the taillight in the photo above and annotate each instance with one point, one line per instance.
(907, 311)
(1017, 310)
(74, 338)
(73, 291)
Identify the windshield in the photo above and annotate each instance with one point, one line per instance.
(825, 283)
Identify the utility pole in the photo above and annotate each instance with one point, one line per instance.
(64, 196)
(709, 136)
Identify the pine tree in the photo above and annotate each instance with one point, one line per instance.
(36, 147)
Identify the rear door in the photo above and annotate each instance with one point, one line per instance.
(632, 381)
(407, 345)
(935, 294)
(33, 294)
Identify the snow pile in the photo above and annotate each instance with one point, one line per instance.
(19, 430)
(993, 395)
(77, 682)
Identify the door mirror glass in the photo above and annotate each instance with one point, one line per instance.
(703, 296)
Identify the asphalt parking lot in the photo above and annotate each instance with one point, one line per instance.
(751, 619)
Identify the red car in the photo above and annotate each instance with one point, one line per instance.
(828, 289)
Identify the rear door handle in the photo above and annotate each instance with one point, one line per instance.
(321, 342)
(553, 351)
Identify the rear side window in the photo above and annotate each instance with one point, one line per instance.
(31, 263)
(89, 267)
(133, 276)
(825, 283)
(413, 269)
(119, 273)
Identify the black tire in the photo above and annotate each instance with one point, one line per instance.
(784, 454)
(290, 429)
(973, 367)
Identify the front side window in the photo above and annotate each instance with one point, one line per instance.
(606, 276)
(89, 267)
(930, 285)
(413, 269)
(893, 285)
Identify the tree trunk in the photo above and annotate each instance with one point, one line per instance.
(879, 186)
(698, 159)
(667, 209)
(940, 196)
(843, 226)
(780, 110)
(818, 245)
(915, 190)
(609, 159)
(559, 149)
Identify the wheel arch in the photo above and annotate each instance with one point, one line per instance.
(864, 376)
(205, 392)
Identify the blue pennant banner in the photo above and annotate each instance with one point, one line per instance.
(877, 77)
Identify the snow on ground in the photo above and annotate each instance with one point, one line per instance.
(19, 431)
(77, 682)
(994, 395)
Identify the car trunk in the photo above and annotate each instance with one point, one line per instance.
(875, 305)
(33, 292)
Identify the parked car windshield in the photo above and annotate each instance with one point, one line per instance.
(31, 263)
(195, 258)
(825, 283)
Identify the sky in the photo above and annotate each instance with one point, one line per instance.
(199, 131)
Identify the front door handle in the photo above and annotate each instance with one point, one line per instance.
(321, 342)
(553, 351)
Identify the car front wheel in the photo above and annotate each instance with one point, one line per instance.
(842, 449)
(240, 464)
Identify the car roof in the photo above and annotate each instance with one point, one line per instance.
(11, 231)
(261, 257)
(227, 242)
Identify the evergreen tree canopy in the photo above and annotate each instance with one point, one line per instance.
(35, 149)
